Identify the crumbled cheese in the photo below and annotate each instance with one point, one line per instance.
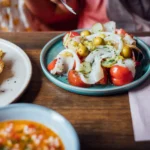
(37, 138)
(28, 130)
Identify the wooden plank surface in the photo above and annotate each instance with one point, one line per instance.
(101, 122)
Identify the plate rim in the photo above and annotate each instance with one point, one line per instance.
(30, 71)
(87, 91)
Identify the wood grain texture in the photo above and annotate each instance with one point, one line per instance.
(101, 122)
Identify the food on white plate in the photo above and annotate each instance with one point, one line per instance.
(28, 135)
(101, 55)
(1, 61)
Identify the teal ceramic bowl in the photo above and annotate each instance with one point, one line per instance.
(45, 116)
(54, 46)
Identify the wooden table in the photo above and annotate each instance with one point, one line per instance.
(101, 122)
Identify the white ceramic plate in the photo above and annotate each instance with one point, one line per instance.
(16, 74)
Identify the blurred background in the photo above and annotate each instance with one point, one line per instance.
(56, 15)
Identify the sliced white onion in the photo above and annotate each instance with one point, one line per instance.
(109, 37)
(110, 26)
(59, 67)
(120, 63)
(96, 73)
(92, 36)
(65, 63)
(128, 39)
(71, 46)
(102, 52)
(66, 39)
(77, 39)
(75, 57)
(117, 40)
(97, 28)
(130, 64)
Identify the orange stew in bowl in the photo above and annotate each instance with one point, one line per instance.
(28, 135)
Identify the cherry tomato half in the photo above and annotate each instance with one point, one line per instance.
(120, 75)
(120, 82)
(74, 79)
(104, 80)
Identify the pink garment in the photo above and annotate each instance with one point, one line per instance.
(139, 100)
(139, 103)
(93, 11)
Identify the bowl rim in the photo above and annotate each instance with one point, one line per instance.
(89, 91)
(49, 110)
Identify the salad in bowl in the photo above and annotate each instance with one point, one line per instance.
(99, 55)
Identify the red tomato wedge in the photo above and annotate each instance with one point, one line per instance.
(73, 34)
(120, 75)
(120, 31)
(51, 65)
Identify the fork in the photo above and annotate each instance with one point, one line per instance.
(68, 7)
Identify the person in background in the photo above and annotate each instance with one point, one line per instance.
(132, 15)
(48, 15)
(36, 15)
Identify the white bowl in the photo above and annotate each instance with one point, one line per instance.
(45, 116)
